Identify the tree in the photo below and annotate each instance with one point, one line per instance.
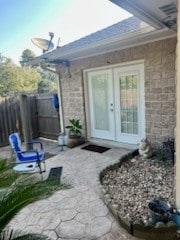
(48, 81)
(4, 59)
(16, 79)
(27, 56)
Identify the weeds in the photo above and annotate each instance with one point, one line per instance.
(166, 151)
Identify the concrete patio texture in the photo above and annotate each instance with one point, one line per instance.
(78, 212)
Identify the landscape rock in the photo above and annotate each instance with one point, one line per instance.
(137, 182)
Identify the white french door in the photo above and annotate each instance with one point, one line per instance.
(129, 100)
(116, 103)
(101, 100)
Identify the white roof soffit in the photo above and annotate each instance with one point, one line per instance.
(145, 35)
(157, 13)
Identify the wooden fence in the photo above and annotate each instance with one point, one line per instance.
(48, 117)
(43, 118)
(10, 118)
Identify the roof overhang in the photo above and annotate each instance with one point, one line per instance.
(157, 13)
(160, 17)
(145, 35)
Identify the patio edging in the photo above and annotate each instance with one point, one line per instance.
(160, 231)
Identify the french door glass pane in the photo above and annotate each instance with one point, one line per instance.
(100, 101)
(129, 104)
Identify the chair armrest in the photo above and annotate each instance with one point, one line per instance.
(35, 142)
(29, 151)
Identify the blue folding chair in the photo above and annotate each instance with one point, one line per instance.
(28, 160)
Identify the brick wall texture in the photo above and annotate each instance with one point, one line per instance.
(159, 60)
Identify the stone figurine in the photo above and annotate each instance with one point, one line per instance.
(145, 149)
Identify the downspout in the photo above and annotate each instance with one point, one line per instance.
(178, 111)
(59, 96)
(60, 105)
(177, 130)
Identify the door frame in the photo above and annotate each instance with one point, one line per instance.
(102, 133)
(86, 93)
(130, 138)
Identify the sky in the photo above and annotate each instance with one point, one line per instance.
(69, 20)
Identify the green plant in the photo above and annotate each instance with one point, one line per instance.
(16, 235)
(75, 127)
(3, 165)
(21, 195)
(7, 176)
(18, 196)
(166, 151)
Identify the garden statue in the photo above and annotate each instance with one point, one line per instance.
(145, 149)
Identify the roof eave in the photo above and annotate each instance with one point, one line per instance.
(139, 13)
(119, 42)
(57, 54)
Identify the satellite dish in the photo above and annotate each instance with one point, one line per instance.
(44, 44)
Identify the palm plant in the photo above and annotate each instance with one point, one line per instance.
(12, 202)
(75, 127)
(18, 196)
(11, 235)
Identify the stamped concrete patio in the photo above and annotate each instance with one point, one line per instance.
(79, 212)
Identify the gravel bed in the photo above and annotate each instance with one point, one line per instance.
(137, 182)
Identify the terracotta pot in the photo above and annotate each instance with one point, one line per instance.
(74, 140)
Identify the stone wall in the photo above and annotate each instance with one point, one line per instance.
(159, 59)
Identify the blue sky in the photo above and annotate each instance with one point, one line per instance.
(21, 20)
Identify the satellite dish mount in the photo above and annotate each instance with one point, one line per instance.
(44, 44)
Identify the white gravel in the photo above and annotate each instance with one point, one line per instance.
(137, 182)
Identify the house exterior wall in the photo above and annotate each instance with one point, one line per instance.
(159, 60)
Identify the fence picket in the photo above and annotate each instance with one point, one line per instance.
(44, 118)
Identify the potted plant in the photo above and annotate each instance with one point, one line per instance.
(74, 135)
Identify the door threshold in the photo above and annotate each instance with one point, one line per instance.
(109, 143)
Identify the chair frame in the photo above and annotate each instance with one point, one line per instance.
(26, 166)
